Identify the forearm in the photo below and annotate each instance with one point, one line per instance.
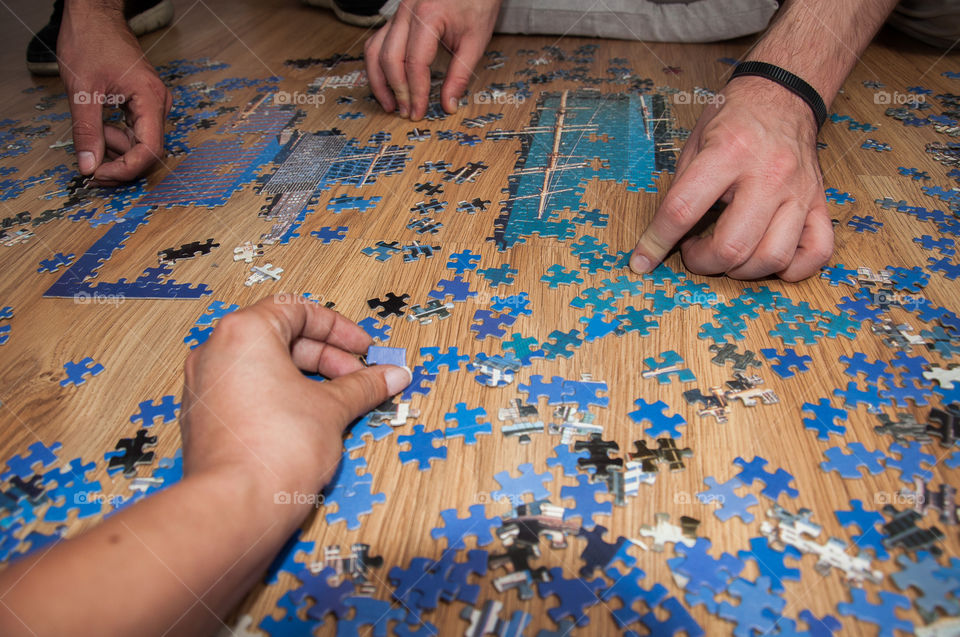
(821, 40)
(174, 562)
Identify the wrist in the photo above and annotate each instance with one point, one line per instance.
(248, 496)
(760, 91)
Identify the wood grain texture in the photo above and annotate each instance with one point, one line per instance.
(140, 342)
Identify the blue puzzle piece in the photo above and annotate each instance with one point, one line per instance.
(567, 459)
(468, 426)
(502, 274)
(866, 521)
(679, 621)
(873, 372)
(422, 449)
(352, 503)
(40, 457)
(216, 311)
(655, 414)
(197, 336)
(759, 609)
(477, 524)
(376, 330)
(554, 390)
(787, 362)
(848, 464)
(516, 304)
(374, 615)
(328, 234)
(576, 596)
(771, 562)
(557, 276)
(595, 327)
(853, 397)
(418, 384)
(451, 359)
(53, 264)
(455, 287)
(584, 494)
(824, 417)
(628, 590)
(882, 615)
(149, 411)
(909, 460)
(529, 481)
(380, 355)
(774, 483)
(78, 371)
(491, 324)
(731, 504)
(839, 274)
(460, 262)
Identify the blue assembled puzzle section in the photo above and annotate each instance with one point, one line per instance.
(530, 476)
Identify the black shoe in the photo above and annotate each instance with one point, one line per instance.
(360, 13)
(143, 16)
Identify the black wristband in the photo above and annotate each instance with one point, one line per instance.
(787, 80)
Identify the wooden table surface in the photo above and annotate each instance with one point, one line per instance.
(141, 345)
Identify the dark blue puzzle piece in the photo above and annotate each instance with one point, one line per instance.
(824, 417)
(149, 411)
(422, 449)
(576, 595)
(655, 414)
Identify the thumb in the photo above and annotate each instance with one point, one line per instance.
(88, 143)
(354, 394)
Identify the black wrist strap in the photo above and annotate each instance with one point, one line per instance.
(787, 80)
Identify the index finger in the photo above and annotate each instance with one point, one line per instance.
(147, 118)
(708, 176)
(422, 44)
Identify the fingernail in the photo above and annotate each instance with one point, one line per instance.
(86, 162)
(640, 264)
(452, 104)
(397, 378)
(404, 111)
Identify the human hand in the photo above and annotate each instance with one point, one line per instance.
(755, 150)
(101, 63)
(398, 56)
(247, 406)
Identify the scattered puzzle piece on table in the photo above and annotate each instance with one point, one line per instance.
(528, 482)
(848, 464)
(669, 366)
(54, 263)
(774, 483)
(476, 524)
(882, 615)
(788, 362)
(77, 372)
(328, 234)
(725, 494)
(655, 414)
(422, 449)
(131, 453)
(502, 274)
(468, 423)
(166, 408)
